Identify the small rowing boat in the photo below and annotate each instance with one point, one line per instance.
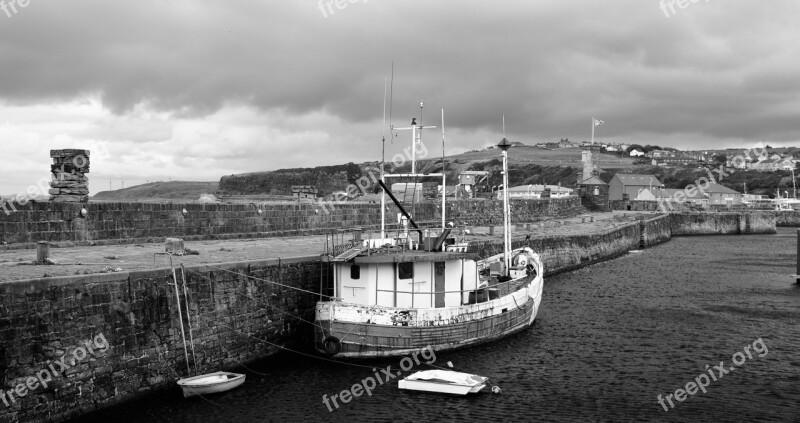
(443, 381)
(210, 383)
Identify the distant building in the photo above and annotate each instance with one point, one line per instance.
(718, 194)
(772, 164)
(628, 186)
(636, 153)
(714, 194)
(467, 181)
(529, 192)
(407, 192)
(471, 177)
(594, 193)
(300, 192)
(674, 161)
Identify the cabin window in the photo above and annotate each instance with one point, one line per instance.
(405, 270)
(355, 272)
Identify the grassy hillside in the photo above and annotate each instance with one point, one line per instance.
(173, 190)
(542, 157)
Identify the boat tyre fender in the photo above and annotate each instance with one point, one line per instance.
(332, 345)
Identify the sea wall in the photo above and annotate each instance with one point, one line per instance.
(654, 231)
(569, 252)
(684, 224)
(788, 218)
(120, 333)
(134, 222)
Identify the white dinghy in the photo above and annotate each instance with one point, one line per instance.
(443, 381)
(210, 383)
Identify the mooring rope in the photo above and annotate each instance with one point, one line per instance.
(274, 308)
(179, 377)
(268, 281)
(295, 351)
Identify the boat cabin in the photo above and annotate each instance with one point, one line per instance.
(411, 279)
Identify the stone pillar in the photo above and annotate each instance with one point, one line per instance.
(69, 183)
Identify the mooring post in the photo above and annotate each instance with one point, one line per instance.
(797, 275)
(43, 252)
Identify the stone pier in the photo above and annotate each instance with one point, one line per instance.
(69, 183)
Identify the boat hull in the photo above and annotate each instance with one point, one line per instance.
(365, 340)
(442, 388)
(211, 383)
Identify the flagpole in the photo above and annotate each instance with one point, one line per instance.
(592, 131)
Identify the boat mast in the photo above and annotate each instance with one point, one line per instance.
(444, 185)
(416, 137)
(504, 146)
(383, 163)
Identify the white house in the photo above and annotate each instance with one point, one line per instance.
(527, 192)
(636, 153)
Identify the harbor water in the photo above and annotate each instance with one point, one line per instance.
(609, 340)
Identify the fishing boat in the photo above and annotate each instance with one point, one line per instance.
(210, 383)
(443, 381)
(396, 293)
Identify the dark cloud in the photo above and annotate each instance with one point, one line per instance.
(718, 69)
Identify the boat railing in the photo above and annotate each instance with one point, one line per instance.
(475, 309)
(339, 241)
(479, 294)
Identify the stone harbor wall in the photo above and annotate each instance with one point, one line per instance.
(723, 223)
(135, 222)
(568, 252)
(654, 231)
(69, 183)
(71, 345)
(790, 218)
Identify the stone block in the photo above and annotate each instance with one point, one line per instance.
(174, 246)
(70, 198)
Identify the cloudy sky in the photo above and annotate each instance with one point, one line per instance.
(193, 90)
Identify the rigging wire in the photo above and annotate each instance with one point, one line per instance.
(179, 377)
(268, 281)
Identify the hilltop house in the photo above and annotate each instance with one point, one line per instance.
(772, 164)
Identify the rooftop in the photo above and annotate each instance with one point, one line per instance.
(637, 179)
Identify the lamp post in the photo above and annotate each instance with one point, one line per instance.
(504, 146)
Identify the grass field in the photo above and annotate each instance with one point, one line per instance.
(543, 157)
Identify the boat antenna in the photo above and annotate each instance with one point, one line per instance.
(419, 134)
(391, 98)
(444, 167)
